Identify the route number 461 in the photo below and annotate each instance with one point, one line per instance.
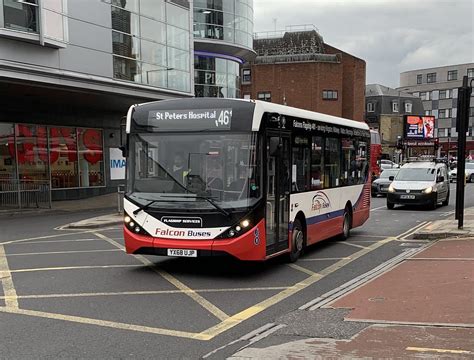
(224, 118)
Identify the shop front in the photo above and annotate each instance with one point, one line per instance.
(37, 160)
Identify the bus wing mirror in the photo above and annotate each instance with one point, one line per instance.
(124, 151)
(274, 146)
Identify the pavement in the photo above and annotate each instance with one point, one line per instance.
(421, 306)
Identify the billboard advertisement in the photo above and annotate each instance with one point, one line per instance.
(419, 127)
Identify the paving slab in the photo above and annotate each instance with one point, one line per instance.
(430, 290)
(376, 342)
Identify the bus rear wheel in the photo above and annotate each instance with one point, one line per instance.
(298, 242)
(346, 225)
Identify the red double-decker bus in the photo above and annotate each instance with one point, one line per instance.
(375, 153)
(244, 178)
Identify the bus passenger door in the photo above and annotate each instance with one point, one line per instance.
(277, 192)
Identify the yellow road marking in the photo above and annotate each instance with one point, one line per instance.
(65, 252)
(55, 241)
(44, 237)
(104, 323)
(449, 351)
(324, 259)
(351, 244)
(146, 292)
(214, 310)
(11, 300)
(265, 304)
(60, 268)
(303, 269)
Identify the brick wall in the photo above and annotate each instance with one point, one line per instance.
(303, 83)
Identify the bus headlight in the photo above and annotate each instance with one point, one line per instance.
(391, 189)
(245, 223)
(131, 225)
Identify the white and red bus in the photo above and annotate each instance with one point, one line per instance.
(251, 179)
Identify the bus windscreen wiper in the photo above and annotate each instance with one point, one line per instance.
(208, 199)
(147, 205)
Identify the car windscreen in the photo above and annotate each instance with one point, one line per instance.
(387, 173)
(421, 174)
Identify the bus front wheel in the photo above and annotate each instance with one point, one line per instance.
(297, 244)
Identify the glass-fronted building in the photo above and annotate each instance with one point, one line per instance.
(69, 70)
(223, 38)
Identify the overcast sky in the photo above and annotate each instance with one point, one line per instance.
(392, 36)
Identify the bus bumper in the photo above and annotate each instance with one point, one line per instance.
(249, 246)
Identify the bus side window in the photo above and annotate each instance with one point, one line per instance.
(332, 162)
(300, 166)
(317, 163)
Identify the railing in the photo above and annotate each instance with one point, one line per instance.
(22, 194)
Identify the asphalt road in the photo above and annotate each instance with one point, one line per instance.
(76, 294)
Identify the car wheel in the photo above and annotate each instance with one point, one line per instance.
(446, 201)
(390, 205)
(298, 241)
(433, 204)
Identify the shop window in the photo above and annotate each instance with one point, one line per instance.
(91, 157)
(63, 157)
(7, 152)
(32, 152)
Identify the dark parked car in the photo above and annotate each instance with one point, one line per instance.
(380, 186)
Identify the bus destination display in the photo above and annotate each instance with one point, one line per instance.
(189, 120)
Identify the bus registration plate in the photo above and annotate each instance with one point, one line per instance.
(182, 252)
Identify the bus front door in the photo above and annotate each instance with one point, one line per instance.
(278, 192)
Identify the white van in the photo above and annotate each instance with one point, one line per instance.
(420, 183)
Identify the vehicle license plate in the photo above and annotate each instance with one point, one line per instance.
(182, 252)
(407, 196)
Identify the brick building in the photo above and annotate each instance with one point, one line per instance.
(297, 68)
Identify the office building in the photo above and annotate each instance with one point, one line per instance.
(438, 89)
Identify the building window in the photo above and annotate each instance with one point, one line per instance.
(452, 75)
(428, 112)
(470, 73)
(425, 95)
(247, 96)
(329, 94)
(408, 107)
(431, 78)
(419, 79)
(370, 107)
(444, 113)
(21, 16)
(445, 94)
(265, 96)
(246, 76)
(395, 106)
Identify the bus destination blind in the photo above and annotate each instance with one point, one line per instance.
(189, 120)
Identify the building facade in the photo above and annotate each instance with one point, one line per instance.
(438, 89)
(69, 70)
(385, 109)
(295, 67)
(223, 33)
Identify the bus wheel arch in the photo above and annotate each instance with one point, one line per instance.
(298, 237)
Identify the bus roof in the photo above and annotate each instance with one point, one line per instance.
(262, 107)
(259, 109)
